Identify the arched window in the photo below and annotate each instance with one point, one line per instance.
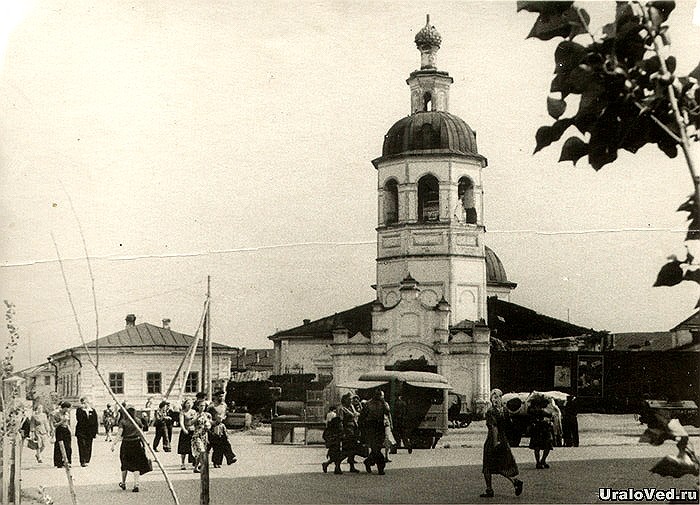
(465, 193)
(391, 202)
(428, 199)
(427, 101)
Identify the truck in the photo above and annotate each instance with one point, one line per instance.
(425, 395)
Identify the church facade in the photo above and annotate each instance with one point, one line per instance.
(434, 271)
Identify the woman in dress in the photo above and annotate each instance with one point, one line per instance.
(498, 459)
(541, 430)
(40, 429)
(200, 435)
(61, 427)
(184, 443)
(132, 454)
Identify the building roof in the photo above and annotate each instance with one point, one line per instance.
(143, 336)
(357, 319)
(515, 322)
(511, 322)
(692, 322)
(643, 341)
(432, 132)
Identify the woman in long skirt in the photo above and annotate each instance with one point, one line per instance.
(184, 443)
(498, 459)
(61, 426)
(132, 454)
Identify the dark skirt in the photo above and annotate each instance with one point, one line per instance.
(133, 457)
(541, 435)
(184, 444)
(498, 459)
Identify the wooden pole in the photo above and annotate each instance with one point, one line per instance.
(204, 479)
(66, 465)
(6, 458)
(207, 324)
(19, 443)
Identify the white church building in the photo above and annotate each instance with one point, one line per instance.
(436, 278)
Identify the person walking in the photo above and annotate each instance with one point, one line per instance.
(373, 429)
(85, 430)
(109, 419)
(498, 459)
(333, 437)
(200, 435)
(398, 417)
(184, 442)
(60, 418)
(160, 423)
(569, 422)
(40, 430)
(132, 453)
(218, 438)
(350, 442)
(541, 430)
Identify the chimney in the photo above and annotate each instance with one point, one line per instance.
(243, 351)
(166, 324)
(130, 320)
(306, 321)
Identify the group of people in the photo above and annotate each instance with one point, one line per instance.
(40, 428)
(201, 422)
(362, 429)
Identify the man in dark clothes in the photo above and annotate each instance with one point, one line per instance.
(569, 422)
(85, 430)
(372, 426)
(401, 434)
(218, 438)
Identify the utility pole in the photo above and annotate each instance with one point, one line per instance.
(207, 325)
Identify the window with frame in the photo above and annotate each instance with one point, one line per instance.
(47, 380)
(192, 382)
(153, 381)
(116, 383)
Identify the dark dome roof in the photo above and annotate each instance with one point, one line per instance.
(495, 273)
(430, 130)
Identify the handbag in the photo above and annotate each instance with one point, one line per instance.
(33, 443)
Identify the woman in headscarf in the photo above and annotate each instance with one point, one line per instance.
(498, 459)
(132, 454)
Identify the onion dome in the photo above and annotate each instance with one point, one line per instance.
(428, 37)
(435, 131)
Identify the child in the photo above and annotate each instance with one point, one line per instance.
(333, 435)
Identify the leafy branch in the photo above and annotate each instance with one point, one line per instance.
(629, 95)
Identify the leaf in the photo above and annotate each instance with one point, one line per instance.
(694, 225)
(555, 107)
(671, 63)
(670, 274)
(567, 56)
(695, 73)
(549, 26)
(663, 7)
(545, 7)
(543, 137)
(692, 275)
(668, 145)
(573, 150)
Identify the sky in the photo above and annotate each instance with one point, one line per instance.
(234, 140)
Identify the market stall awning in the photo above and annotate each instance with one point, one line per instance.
(361, 384)
(432, 385)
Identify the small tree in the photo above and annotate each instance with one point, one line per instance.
(629, 96)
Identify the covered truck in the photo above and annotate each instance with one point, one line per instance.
(425, 396)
